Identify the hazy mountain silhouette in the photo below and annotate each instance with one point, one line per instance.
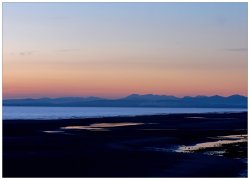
(136, 100)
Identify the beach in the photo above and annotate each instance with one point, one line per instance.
(135, 146)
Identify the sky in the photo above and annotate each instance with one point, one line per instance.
(116, 49)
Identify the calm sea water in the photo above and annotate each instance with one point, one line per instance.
(12, 112)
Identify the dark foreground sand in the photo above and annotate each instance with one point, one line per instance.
(122, 151)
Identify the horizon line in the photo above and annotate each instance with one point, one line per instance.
(43, 97)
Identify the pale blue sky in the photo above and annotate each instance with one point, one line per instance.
(203, 25)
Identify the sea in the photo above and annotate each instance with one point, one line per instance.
(55, 113)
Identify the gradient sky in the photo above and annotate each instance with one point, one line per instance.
(115, 49)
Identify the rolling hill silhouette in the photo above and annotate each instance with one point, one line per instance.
(136, 100)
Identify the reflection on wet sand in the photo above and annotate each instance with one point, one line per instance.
(101, 126)
(231, 139)
(53, 131)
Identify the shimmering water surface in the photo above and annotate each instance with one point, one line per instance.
(13, 112)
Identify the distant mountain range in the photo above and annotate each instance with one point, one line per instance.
(136, 100)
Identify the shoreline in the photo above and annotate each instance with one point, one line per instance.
(118, 146)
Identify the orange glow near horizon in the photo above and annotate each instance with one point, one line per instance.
(30, 80)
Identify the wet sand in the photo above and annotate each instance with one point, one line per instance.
(122, 146)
